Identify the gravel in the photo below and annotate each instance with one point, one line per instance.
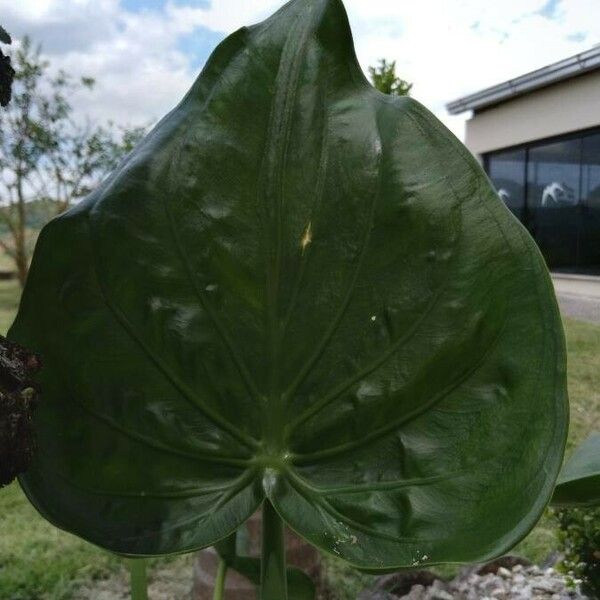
(518, 583)
(500, 580)
(170, 581)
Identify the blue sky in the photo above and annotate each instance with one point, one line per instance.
(145, 54)
(199, 44)
(550, 9)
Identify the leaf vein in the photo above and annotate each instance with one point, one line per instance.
(300, 485)
(338, 316)
(405, 419)
(164, 369)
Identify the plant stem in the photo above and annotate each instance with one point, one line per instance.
(139, 580)
(219, 593)
(273, 578)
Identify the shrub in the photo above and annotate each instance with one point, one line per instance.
(580, 543)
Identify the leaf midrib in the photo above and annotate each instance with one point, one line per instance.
(271, 189)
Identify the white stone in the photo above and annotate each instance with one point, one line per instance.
(441, 595)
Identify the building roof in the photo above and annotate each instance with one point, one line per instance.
(559, 71)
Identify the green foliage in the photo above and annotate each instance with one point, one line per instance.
(580, 543)
(23, 529)
(579, 486)
(274, 299)
(579, 481)
(384, 79)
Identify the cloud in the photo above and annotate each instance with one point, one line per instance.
(140, 70)
(145, 54)
(451, 49)
(61, 25)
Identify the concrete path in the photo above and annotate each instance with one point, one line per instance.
(578, 296)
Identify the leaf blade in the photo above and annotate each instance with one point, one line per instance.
(579, 481)
(298, 288)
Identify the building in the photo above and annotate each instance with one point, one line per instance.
(538, 137)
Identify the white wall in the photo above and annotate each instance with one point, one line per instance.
(564, 107)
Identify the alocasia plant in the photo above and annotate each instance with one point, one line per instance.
(579, 480)
(301, 293)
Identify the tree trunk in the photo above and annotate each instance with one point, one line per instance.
(21, 258)
(21, 262)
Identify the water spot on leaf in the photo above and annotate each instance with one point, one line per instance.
(306, 237)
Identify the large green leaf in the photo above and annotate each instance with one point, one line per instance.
(579, 480)
(296, 287)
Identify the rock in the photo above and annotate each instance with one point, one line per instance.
(520, 582)
(544, 587)
(416, 593)
(504, 562)
(400, 584)
(377, 595)
(440, 595)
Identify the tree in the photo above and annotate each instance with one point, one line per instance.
(384, 78)
(48, 159)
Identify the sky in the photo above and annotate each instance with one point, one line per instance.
(145, 54)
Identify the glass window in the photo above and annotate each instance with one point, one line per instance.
(553, 175)
(554, 189)
(553, 194)
(590, 176)
(589, 255)
(507, 172)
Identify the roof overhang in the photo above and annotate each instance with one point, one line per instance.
(564, 69)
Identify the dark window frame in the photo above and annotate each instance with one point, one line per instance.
(539, 142)
(531, 145)
(527, 146)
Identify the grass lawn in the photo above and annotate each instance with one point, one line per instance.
(39, 562)
(9, 301)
